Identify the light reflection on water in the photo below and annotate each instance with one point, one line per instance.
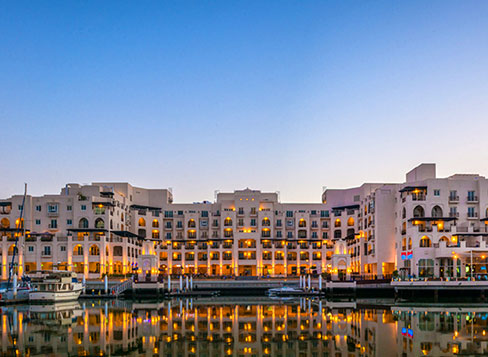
(241, 327)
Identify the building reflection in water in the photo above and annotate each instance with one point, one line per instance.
(256, 326)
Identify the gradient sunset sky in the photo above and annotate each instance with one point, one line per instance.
(199, 96)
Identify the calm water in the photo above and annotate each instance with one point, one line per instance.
(241, 327)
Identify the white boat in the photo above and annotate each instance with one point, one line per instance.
(54, 286)
(283, 291)
(9, 296)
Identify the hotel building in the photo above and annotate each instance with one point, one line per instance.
(424, 227)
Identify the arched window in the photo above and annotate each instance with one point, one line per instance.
(12, 249)
(425, 242)
(78, 250)
(155, 223)
(350, 221)
(5, 223)
(155, 234)
(436, 211)
(141, 232)
(94, 250)
(266, 222)
(444, 239)
(111, 224)
(99, 223)
(83, 223)
(404, 213)
(117, 251)
(142, 222)
(409, 243)
(350, 232)
(228, 221)
(337, 223)
(340, 248)
(302, 223)
(107, 252)
(418, 212)
(337, 233)
(191, 223)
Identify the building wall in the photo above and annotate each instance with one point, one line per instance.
(368, 230)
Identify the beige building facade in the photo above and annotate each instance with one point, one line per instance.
(424, 227)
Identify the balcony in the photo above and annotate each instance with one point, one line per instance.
(454, 214)
(473, 215)
(472, 199)
(453, 199)
(418, 197)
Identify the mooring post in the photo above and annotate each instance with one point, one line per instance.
(15, 286)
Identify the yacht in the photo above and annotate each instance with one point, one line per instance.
(54, 286)
(284, 290)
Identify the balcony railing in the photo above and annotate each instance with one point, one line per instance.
(472, 198)
(453, 198)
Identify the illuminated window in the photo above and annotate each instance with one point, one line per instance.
(425, 242)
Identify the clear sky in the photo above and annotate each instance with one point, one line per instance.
(200, 96)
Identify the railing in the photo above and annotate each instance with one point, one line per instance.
(123, 286)
(472, 198)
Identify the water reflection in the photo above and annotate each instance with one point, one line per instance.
(251, 326)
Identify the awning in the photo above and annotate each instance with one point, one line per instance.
(146, 207)
(110, 204)
(126, 234)
(87, 230)
(413, 188)
(430, 219)
(340, 208)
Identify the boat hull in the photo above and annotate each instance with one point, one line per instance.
(7, 296)
(55, 296)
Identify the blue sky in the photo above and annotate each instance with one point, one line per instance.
(200, 96)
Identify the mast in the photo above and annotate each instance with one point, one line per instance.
(20, 227)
